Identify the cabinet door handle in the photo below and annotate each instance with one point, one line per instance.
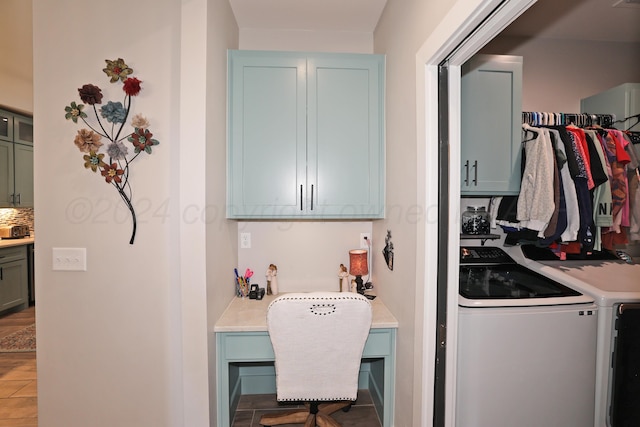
(311, 196)
(300, 196)
(1, 278)
(13, 199)
(19, 200)
(475, 173)
(466, 168)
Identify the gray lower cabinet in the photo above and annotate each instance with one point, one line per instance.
(306, 135)
(491, 120)
(14, 278)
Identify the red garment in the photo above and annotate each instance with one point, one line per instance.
(581, 140)
(611, 239)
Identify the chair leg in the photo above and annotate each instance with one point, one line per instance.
(298, 416)
(311, 420)
(324, 420)
(330, 408)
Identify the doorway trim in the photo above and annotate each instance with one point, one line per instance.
(467, 27)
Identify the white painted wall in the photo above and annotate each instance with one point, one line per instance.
(302, 40)
(307, 254)
(221, 234)
(557, 74)
(404, 27)
(16, 68)
(125, 343)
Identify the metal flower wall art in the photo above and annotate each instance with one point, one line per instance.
(108, 147)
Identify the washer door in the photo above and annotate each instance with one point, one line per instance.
(511, 285)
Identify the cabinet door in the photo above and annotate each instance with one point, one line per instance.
(491, 110)
(13, 284)
(6, 125)
(23, 130)
(6, 174)
(345, 136)
(23, 168)
(622, 101)
(267, 135)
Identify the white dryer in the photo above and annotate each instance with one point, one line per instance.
(615, 287)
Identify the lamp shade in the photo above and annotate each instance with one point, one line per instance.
(358, 262)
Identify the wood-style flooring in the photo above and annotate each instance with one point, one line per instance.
(18, 383)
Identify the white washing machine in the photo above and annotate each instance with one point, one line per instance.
(526, 346)
(615, 287)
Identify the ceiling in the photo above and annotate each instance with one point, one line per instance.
(590, 20)
(593, 20)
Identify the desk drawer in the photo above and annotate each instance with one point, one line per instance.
(380, 343)
(246, 346)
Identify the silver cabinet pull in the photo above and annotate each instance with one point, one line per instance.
(311, 196)
(475, 173)
(466, 178)
(19, 199)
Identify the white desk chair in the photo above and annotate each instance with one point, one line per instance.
(318, 339)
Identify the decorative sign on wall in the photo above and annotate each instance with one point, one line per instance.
(388, 250)
(112, 159)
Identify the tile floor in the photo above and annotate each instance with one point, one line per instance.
(18, 390)
(18, 384)
(251, 407)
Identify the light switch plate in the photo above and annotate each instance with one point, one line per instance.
(69, 259)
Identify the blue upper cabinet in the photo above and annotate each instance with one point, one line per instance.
(491, 121)
(306, 136)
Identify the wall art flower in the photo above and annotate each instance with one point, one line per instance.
(107, 122)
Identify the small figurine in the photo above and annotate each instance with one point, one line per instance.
(343, 274)
(354, 286)
(272, 280)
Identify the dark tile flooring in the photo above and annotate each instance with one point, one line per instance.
(252, 406)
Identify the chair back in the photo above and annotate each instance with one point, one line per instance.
(318, 339)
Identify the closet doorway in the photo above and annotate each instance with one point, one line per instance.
(459, 37)
(467, 32)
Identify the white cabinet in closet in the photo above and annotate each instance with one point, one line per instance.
(622, 101)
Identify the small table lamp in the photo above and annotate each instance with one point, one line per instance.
(358, 267)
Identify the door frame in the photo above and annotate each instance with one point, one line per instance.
(466, 28)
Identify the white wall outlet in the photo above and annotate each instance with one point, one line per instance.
(69, 259)
(365, 240)
(245, 240)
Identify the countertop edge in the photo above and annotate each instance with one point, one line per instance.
(244, 315)
(8, 243)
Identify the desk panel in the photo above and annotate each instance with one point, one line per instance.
(242, 340)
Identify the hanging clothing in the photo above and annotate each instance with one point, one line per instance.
(536, 201)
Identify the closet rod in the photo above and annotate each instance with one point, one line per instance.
(536, 118)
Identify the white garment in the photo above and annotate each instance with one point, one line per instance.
(536, 202)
